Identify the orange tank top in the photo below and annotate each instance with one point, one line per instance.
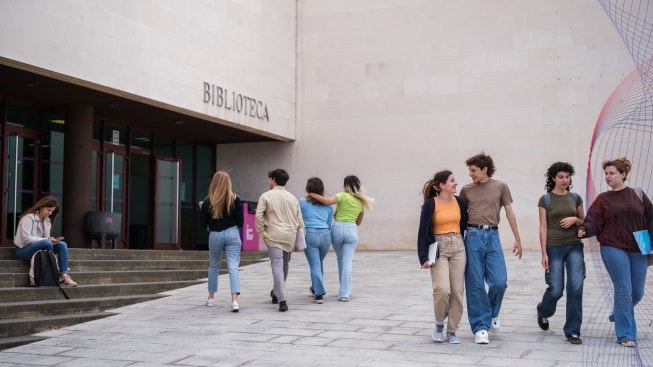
(446, 218)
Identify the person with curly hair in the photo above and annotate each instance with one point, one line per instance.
(613, 218)
(485, 262)
(560, 212)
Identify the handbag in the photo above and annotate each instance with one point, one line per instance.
(300, 241)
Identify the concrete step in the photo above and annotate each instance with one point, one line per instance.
(17, 341)
(110, 277)
(36, 309)
(18, 266)
(10, 328)
(24, 294)
(9, 253)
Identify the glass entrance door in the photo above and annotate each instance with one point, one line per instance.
(166, 209)
(20, 172)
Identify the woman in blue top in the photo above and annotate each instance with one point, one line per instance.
(317, 221)
(349, 213)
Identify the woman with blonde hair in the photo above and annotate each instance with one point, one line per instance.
(222, 214)
(613, 218)
(350, 206)
(33, 234)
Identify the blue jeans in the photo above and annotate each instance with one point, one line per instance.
(344, 238)
(485, 263)
(573, 258)
(628, 273)
(229, 240)
(318, 241)
(60, 248)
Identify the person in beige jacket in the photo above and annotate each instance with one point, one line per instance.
(278, 218)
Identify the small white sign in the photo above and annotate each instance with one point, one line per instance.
(116, 137)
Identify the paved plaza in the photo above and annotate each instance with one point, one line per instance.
(387, 323)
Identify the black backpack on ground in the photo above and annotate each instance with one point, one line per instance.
(44, 271)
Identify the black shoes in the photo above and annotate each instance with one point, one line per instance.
(318, 298)
(274, 298)
(574, 339)
(542, 322)
(283, 306)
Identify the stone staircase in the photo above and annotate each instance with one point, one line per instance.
(107, 279)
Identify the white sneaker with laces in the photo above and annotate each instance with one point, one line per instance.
(496, 323)
(210, 302)
(481, 337)
(234, 306)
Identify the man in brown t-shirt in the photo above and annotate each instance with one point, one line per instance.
(485, 261)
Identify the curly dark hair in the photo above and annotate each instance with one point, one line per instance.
(481, 161)
(553, 171)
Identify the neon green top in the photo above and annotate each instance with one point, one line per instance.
(348, 208)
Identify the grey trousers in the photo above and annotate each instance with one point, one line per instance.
(279, 260)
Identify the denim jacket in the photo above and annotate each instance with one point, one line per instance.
(425, 234)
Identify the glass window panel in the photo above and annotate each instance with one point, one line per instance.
(20, 180)
(205, 170)
(139, 201)
(52, 163)
(97, 131)
(167, 202)
(114, 183)
(109, 131)
(22, 116)
(163, 147)
(94, 188)
(185, 154)
(140, 140)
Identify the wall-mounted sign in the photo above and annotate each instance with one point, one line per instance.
(221, 97)
(115, 137)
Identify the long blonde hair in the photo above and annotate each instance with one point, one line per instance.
(353, 186)
(220, 194)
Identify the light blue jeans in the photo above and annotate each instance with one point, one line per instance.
(628, 273)
(344, 238)
(229, 240)
(60, 248)
(485, 263)
(318, 241)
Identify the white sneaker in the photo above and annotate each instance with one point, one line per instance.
(234, 306)
(496, 323)
(210, 302)
(481, 337)
(438, 332)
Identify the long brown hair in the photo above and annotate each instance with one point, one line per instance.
(353, 186)
(220, 194)
(44, 202)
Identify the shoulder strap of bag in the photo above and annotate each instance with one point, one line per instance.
(55, 274)
(547, 201)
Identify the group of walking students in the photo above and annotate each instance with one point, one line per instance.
(470, 253)
(283, 221)
(465, 227)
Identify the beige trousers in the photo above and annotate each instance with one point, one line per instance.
(447, 278)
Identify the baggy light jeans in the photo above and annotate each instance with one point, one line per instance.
(485, 263)
(628, 273)
(344, 238)
(448, 279)
(318, 241)
(229, 240)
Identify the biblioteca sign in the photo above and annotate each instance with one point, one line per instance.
(221, 97)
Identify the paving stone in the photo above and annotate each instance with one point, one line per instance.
(368, 331)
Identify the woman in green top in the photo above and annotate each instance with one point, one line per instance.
(561, 211)
(351, 204)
